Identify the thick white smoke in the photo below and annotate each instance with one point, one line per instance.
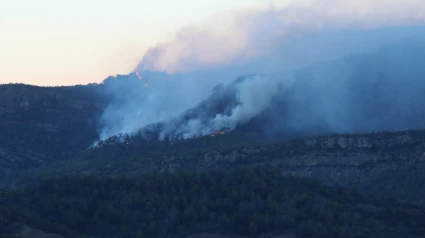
(200, 57)
(245, 36)
(251, 96)
(254, 96)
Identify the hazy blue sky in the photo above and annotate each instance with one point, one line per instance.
(51, 42)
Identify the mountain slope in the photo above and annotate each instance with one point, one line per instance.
(47, 130)
(378, 91)
(387, 163)
(364, 93)
(43, 124)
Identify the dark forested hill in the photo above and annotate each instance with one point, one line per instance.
(387, 163)
(365, 93)
(243, 203)
(43, 124)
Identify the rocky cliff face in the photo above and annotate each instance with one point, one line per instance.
(391, 163)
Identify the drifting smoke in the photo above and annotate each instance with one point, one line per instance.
(324, 98)
(244, 37)
(226, 108)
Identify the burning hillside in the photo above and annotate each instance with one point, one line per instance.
(364, 93)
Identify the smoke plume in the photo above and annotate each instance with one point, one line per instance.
(226, 108)
(182, 98)
(242, 37)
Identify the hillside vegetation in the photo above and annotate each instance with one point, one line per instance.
(245, 202)
(388, 164)
(39, 125)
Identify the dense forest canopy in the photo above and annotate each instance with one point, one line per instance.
(246, 202)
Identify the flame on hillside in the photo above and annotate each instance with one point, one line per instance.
(140, 77)
(216, 133)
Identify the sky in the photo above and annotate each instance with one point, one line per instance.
(58, 42)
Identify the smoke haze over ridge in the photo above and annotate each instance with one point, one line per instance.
(271, 42)
(244, 36)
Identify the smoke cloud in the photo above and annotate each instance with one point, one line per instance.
(226, 108)
(182, 99)
(246, 36)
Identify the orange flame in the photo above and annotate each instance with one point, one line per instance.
(140, 77)
(215, 133)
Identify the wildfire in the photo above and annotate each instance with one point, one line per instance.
(216, 133)
(140, 77)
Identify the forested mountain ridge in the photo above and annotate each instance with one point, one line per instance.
(388, 163)
(43, 124)
(275, 164)
(364, 93)
(47, 131)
